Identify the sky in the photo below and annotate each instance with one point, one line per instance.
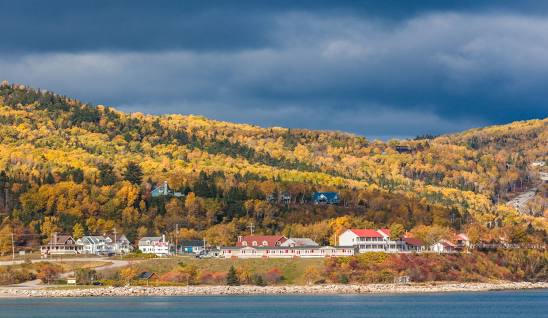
(382, 69)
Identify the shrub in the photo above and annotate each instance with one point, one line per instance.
(274, 275)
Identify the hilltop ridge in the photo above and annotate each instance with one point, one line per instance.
(66, 165)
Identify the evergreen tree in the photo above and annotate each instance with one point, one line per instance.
(77, 175)
(259, 281)
(133, 173)
(232, 277)
(106, 174)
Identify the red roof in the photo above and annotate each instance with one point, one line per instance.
(446, 243)
(366, 233)
(413, 241)
(271, 240)
(385, 231)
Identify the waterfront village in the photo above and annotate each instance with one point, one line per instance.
(350, 242)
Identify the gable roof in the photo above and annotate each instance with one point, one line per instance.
(61, 239)
(152, 239)
(146, 275)
(446, 243)
(366, 233)
(270, 239)
(300, 241)
(462, 236)
(412, 241)
(93, 239)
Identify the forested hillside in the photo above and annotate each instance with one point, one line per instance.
(76, 168)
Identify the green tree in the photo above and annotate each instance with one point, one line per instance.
(106, 174)
(133, 173)
(232, 277)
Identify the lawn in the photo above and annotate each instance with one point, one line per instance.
(292, 269)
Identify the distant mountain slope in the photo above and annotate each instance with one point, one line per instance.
(67, 164)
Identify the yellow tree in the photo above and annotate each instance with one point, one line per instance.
(77, 231)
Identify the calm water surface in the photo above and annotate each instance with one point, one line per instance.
(515, 304)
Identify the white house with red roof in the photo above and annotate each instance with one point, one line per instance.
(260, 240)
(444, 246)
(370, 240)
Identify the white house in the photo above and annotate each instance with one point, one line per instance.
(155, 245)
(96, 245)
(120, 244)
(444, 246)
(104, 245)
(60, 245)
(370, 240)
(285, 252)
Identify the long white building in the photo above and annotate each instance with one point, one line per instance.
(286, 252)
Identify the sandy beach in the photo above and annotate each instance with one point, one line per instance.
(268, 290)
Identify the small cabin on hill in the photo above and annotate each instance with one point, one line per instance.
(325, 198)
(164, 190)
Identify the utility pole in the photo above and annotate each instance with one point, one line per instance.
(12, 247)
(176, 239)
(251, 227)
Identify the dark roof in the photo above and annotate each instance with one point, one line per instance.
(192, 243)
(146, 275)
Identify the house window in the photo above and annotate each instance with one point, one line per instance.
(265, 243)
(254, 243)
(244, 243)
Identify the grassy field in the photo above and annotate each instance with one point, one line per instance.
(292, 269)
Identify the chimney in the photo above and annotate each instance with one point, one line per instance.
(163, 238)
(239, 238)
(54, 238)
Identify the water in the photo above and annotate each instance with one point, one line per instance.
(514, 304)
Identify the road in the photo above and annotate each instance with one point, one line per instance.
(33, 284)
(521, 200)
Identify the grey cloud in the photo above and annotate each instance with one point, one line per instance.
(432, 73)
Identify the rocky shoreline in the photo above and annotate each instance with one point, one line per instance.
(268, 290)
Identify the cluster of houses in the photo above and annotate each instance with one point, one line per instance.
(89, 244)
(351, 242)
(163, 190)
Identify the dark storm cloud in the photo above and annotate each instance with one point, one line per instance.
(380, 68)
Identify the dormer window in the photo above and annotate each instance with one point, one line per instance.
(254, 243)
(265, 243)
(244, 243)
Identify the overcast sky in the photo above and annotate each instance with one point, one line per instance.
(381, 69)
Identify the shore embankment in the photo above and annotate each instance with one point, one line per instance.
(126, 291)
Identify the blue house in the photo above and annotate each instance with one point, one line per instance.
(325, 198)
(192, 246)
